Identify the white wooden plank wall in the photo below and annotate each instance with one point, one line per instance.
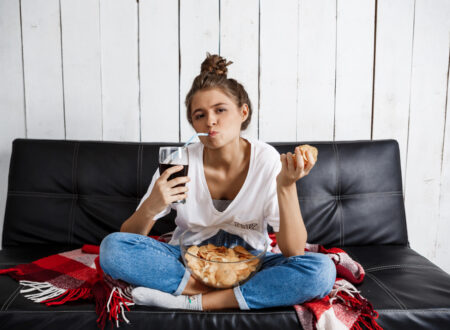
(119, 70)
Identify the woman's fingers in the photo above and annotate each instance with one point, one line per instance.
(178, 190)
(179, 180)
(283, 162)
(290, 162)
(299, 158)
(311, 161)
(165, 175)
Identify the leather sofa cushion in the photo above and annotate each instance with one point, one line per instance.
(77, 192)
(407, 290)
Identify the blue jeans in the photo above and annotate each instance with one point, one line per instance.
(143, 261)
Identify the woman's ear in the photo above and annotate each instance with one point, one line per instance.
(244, 109)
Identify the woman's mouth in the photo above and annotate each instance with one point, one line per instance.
(211, 134)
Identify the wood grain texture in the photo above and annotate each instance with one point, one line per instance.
(159, 71)
(354, 69)
(426, 124)
(120, 84)
(81, 53)
(12, 105)
(44, 98)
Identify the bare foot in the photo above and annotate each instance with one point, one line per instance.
(195, 287)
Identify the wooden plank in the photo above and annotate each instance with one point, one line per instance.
(354, 69)
(159, 70)
(120, 84)
(239, 25)
(12, 111)
(278, 70)
(317, 69)
(442, 243)
(43, 69)
(199, 33)
(395, 23)
(80, 21)
(426, 124)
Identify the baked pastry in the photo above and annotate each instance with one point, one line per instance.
(220, 275)
(303, 149)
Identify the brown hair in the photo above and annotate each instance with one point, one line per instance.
(213, 74)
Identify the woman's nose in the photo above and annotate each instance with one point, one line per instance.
(211, 120)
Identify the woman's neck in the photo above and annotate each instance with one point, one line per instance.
(230, 156)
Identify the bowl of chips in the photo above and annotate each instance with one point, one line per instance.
(222, 266)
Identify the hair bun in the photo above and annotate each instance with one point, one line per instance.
(215, 64)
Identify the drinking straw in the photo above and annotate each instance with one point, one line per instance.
(185, 145)
(193, 136)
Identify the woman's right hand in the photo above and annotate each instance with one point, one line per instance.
(165, 192)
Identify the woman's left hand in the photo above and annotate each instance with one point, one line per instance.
(290, 173)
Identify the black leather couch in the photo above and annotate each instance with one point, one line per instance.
(63, 194)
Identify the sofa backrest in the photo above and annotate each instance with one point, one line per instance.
(75, 192)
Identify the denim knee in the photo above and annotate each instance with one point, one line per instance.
(108, 249)
(322, 272)
(326, 274)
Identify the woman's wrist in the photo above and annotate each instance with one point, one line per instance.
(286, 188)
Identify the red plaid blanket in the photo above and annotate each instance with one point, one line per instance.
(76, 274)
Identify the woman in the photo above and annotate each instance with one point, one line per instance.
(239, 181)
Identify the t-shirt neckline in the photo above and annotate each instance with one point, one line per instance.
(205, 186)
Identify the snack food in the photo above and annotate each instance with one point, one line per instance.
(229, 269)
(303, 149)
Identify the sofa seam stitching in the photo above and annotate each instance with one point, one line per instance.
(71, 196)
(386, 289)
(376, 268)
(75, 190)
(337, 195)
(7, 300)
(139, 164)
(12, 297)
(329, 197)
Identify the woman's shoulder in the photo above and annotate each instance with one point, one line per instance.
(264, 150)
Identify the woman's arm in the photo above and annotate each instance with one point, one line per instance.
(140, 222)
(162, 194)
(292, 235)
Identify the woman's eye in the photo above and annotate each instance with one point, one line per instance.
(221, 109)
(198, 116)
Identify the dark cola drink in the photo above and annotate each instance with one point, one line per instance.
(183, 172)
(172, 156)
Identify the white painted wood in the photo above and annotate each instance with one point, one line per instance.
(120, 84)
(80, 21)
(426, 125)
(354, 68)
(84, 74)
(43, 69)
(317, 69)
(159, 70)
(239, 23)
(395, 22)
(12, 112)
(199, 33)
(278, 70)
(442, 243)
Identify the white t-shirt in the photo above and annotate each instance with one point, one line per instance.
(255, 206)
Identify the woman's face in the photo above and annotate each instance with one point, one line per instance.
(214, 111)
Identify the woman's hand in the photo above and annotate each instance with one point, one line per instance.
(289, 174)
(165, 192)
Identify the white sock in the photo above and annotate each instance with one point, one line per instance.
(152, 297)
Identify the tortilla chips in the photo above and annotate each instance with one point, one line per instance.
(231, 270)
